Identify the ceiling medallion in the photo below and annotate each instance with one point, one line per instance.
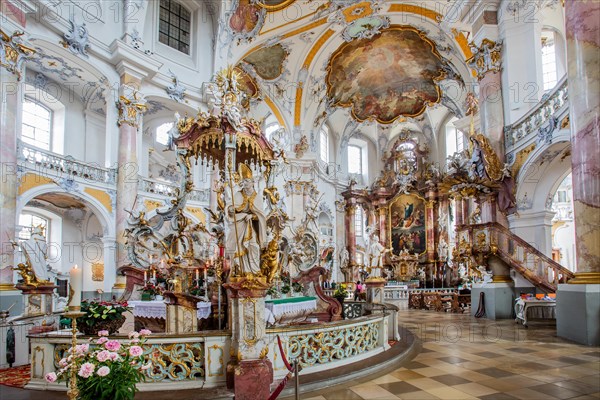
(391, 75)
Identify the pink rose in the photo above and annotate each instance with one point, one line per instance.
(63, 362)
(51, 377)
(102, 333)
(112, 345)
(135, 351)
(145, 332)
(102, 340)
(82, 348)
(86, 370)
(133, 334)
(113, 356)
(103, 355)
(103, 371)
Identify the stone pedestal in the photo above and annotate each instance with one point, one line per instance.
(249, 371)
(577, 310)
(375, 290)
(37, 300)
(182, 313)
(253, 379)
(498, 297)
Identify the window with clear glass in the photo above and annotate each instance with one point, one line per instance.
(36, 127)
(269, 130)
(324, 149)
(174, 26)
(549, 73)
(162, 133)
(454, 138)
(29, 221)
(355, 160)
(358, 221)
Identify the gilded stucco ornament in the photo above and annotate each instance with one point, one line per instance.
(131, 106)
(13, 52)
(486, 58)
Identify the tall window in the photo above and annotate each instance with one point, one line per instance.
(174, 26)
(162, 133)
(358, 221)
(549, 72)
(26, 224)
(454, 138)
(37, 124)
(355, 160)
(270, 129)
(324, 148)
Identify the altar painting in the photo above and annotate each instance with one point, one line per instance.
(407, 224)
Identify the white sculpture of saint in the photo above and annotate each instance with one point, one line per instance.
(246, 224)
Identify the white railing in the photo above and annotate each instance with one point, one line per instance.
(540, 122)
(44, 162)
(171, 190)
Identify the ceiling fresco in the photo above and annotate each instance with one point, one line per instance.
(268, 61)
(245, 18)
(391, 75)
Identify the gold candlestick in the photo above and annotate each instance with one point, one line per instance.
(73, 392)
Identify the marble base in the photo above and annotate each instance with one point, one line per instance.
(375, 291)
(577, 310)
(252, 379)
(181, 319)
(498, 299)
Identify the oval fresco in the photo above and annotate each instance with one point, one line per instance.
(391, 75)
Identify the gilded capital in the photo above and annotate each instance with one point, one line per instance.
(13, 52)
(486, 58)
(131, 106)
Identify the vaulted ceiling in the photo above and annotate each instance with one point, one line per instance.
(349, 63)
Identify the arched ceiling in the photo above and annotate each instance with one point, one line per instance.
(380, 60)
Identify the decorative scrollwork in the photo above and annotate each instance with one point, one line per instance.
(330, 346)
(176, 362)
(353, 310)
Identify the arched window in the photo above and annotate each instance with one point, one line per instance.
(358, 221)
(36, 127)
(174, 25)
(454, 138)
(324, 144)
(270, 129)
(27, 222)
(355, 163)
(162, 133)
(549, 66)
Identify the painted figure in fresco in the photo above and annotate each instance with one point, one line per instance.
(246, 226)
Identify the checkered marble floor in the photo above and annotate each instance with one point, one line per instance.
(468, 358)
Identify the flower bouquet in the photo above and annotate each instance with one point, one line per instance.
(106, 369)
(101, 315)
(151, 290)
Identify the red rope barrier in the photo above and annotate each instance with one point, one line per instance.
(287, 377)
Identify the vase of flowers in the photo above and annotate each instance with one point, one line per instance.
(150, 291)
(106, 369)
(100, 316)
(340, 294)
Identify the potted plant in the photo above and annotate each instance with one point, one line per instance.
(340, 294)
(297, 288)
(271, 292)
(101, 315)
(150, 291)
(106, 369)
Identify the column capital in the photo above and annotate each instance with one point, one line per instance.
(14, 52)
(487, 57)
(131, 106)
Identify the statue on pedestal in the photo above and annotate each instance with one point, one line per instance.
(246, 226)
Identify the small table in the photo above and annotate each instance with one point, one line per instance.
(522, 305)
(290, 309)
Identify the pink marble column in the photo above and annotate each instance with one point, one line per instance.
(382, 220)
(459, 218)
(491, 111)
(583, 54)
(351, 231)
(128, 168)
(430, 223)
(9, 109)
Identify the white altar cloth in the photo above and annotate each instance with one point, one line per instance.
(289, 309)
(158, 309)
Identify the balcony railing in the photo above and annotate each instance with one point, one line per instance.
(541, 120)
(45, 162)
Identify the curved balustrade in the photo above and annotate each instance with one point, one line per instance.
(541, 120)
(535, 266)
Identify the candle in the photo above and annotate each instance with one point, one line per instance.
(197, 274)
(153, 274)
(205, 280)
(145, 276)
(76, 283)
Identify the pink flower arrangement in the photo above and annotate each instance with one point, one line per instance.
(106, 368)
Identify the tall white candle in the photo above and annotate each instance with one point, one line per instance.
(153, 274)
(76, 283)
(145, 276)
(205, 278)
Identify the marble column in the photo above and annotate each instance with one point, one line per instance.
(430, 223)
(131, 106)
(382, 218)
(351, 231)
(459, 218)
(578, 302)
(13, 53)
(487, 63)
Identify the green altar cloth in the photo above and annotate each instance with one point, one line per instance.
(290, 300)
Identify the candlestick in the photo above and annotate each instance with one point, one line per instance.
(76, 283)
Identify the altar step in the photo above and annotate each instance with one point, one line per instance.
(494, 239)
